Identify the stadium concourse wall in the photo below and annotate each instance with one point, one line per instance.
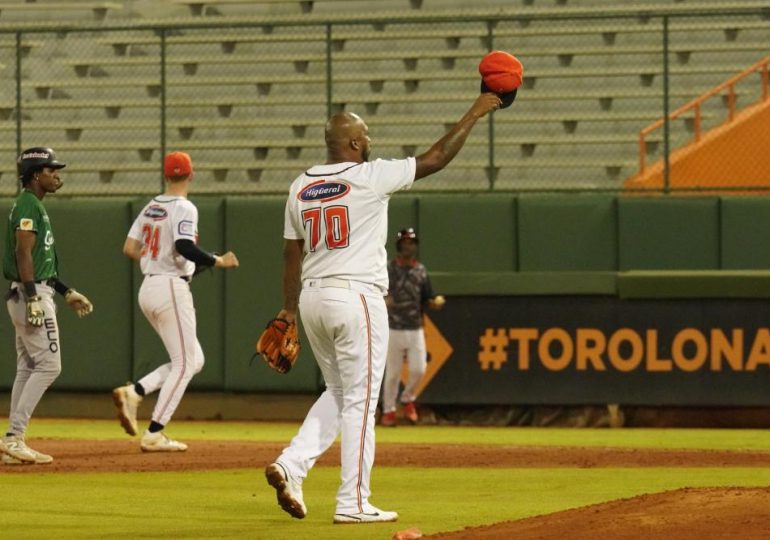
(475, 245)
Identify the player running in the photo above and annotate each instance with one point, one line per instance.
(164, 240)
(410, 291)
(335, 230)
(31, 264)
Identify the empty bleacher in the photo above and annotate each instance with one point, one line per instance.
(249, 100)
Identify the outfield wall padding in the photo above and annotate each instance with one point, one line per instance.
(567, 233)
(489, 244)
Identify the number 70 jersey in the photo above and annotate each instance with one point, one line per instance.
(341, 212)
(163, 221)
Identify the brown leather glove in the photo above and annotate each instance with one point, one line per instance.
(279, 345)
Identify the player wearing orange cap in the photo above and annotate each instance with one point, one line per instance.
(163, 239)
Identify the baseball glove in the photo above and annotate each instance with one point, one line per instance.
(279, 345)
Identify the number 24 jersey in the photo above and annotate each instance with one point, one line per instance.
(163, 221)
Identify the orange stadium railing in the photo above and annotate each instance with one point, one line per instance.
(696, 106)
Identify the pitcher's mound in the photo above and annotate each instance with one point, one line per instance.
(683, 514)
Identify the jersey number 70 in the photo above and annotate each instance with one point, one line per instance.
(336, 226)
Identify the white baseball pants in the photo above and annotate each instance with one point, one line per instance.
(348, 332)
(403, 345)
(38, 355)
(167, 303)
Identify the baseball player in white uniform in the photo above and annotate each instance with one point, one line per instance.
(164, 238)
(335, 232)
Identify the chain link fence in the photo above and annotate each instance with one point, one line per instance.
(249, 102)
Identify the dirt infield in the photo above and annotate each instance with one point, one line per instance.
(683, 514)
(125, 456)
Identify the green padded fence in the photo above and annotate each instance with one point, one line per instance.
(254, 232)
(668, 233)
(567, 232)
(745, 233)
(473, 245)
(468, 233)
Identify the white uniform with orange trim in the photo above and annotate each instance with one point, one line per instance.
(165, 297)
(341, 212)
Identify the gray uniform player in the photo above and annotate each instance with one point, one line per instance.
(409, 293)
(31, 265)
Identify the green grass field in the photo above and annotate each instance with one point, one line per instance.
(238, 504)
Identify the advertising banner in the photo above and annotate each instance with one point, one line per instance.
(565, 350)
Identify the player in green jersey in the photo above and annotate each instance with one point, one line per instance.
(31, 265)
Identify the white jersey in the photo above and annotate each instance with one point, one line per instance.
(163, 221)
(341, 211)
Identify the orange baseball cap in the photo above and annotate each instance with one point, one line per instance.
(501, 73)
(177, 164)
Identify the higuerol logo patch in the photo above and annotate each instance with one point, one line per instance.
(156, 212)
(323, 190)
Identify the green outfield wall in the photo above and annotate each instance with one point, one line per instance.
(486, 244)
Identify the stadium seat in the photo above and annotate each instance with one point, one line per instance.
(33, 10)
(258, 89)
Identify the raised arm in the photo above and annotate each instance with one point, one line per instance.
(445, 149)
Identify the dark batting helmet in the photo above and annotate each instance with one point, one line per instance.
(35, 159)
(407, 234)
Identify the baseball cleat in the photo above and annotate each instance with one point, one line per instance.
(8, 460)
(287, 489)
(14, 446)
(389, 419)
(371, 515)
(40, 459)
(159, 442)
(410, 412)
(127, 401)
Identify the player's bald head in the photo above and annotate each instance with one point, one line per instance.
(346, 133)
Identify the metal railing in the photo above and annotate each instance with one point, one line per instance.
(696, 105)
(592, 80)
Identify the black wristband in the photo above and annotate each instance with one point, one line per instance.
(191, 252)
(29, 289)
(59, 286)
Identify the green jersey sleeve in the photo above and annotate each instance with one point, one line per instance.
(26, 216)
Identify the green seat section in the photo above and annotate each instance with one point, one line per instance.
(567, 233)
(254, 295)
(472, 233)
(96, 350)
(745, 228)
(668, 233)
(208, 295)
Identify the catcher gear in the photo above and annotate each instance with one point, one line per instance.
(34, 159)
(279, 345)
